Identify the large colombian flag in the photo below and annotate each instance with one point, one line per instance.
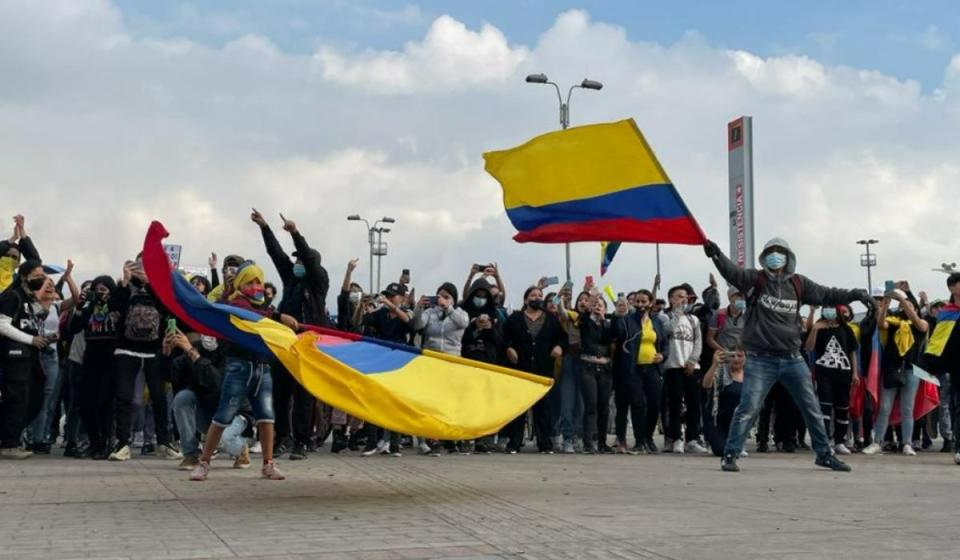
(599, 182)
(396, 387)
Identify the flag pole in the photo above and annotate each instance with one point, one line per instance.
(658, 259)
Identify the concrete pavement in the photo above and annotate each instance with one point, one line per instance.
(498, 506)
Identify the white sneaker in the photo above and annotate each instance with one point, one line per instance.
(381, 447)
(425, 449)
(695, 447)
(138, 440)
(667, 445)
(256, 449)
(956, 458)
(908, 451)
(872, 449)
(678, 446)
(166, 451)
(15, 453)
(841, 449)
(122, 454)
(744, 454)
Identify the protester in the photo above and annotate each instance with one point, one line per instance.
(596, 336)
(21, 341)
(569, 386)
(305, 285)
(246, 375)
(197, 375)
(642, 344)
(442, 323)
(726, 326)
(391, 323)
(681, 379)
(772, 338)
(724, 382)
(942, 355)
(902, 332)
(834, 346)
(534, 341)
(12, 250)
(139, 343)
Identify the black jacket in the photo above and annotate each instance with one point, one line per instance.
(122, 299)
(627, 332)
(203, 376)
(534, 353)
(304, 299)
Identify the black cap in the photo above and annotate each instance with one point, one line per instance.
(394, 289)
(232, 260)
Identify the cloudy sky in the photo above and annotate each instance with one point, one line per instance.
(116, 113)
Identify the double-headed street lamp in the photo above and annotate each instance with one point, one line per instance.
(377, 247)
(947, 268)
(868, 260)
(564, 114)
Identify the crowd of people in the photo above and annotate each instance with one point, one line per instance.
(103, 367)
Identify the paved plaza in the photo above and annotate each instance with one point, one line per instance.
(525, 506)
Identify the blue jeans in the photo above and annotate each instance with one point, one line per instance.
(243, 379)
(908, 395)
(40, 428)
(946, 426)
(191, 417)
(570, 419)
(760, 374)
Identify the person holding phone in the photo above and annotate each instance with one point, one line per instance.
(596, 336)
(483, 338)
(903, 333)
(724, 384)
(571, 402)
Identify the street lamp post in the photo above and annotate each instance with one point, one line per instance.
(564, 115)
(868, 260)
(377, 248)
(947, 268)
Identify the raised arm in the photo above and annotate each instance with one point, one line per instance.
(348, 277)
(72, 285)
(474, 269)
(280, 259)
(815, 294)
(741, 278)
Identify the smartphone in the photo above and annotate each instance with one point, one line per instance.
(890, 286)
(621, 295)
(171, 326)
(550, 281)
(432, 301)
(589, 280)
(556, 300)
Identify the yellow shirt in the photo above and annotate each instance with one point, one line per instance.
(648, 343)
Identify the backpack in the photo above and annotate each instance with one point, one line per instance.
(142, 323)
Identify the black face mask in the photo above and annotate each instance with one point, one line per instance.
(535, 304)
(136, 282)
(36, 283)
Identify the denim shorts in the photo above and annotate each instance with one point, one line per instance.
(242, 380)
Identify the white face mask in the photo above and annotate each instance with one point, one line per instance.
(208, 343)
(355, 297)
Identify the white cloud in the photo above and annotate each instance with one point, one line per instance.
(450, 57)
(105, 130)
(933, 39)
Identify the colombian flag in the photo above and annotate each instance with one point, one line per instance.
(927, 399)
(947, 320)
(598, 182)
(399, 388)
(608, 250)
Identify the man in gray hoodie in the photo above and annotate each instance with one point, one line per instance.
(772, 337)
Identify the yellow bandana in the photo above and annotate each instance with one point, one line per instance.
(903, 336)
(246, 273)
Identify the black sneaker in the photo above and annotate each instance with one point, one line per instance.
(40, 448)
(148, 449)
(280, 449)
(832, 463)
(339, 442)
(71, 450)
(729, 464)
(299, 452)
(99, 454)
(353, 443)
(763, 447)
(651, 447)
(948, 447)
(789, 447)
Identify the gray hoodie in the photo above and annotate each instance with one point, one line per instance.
(442, 331)
(773, 324)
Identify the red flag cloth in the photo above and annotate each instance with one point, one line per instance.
(928, 397)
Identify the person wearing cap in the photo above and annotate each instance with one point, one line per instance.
(942, 357)
(305, 285)
(772, 339)
(726, 325)
(246, 377)
(390, 323)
